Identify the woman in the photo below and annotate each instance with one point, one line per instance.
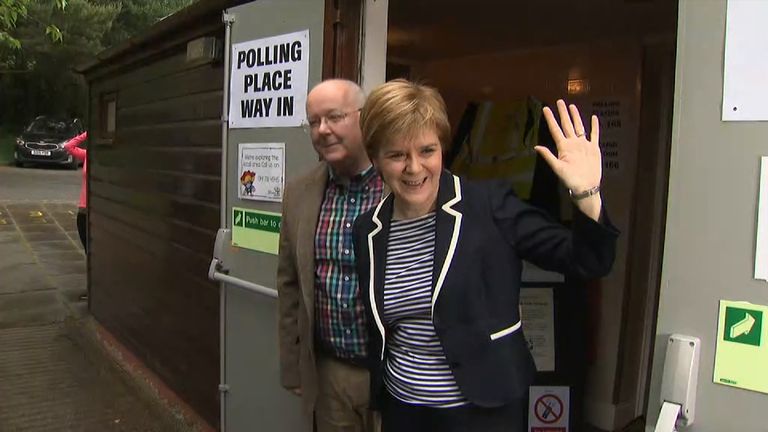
(78, 153)
(440, 263)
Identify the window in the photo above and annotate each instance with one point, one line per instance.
(108, 112)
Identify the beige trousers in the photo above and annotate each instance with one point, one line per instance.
(342, 399)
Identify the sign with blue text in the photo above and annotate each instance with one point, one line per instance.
(268, 81)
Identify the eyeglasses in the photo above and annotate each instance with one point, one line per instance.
(331, 119)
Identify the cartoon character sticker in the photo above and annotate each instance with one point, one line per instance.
(246, 180)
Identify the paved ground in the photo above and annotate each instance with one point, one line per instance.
(36, 184)
(50, 379)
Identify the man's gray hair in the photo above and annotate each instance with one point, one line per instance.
(356, 92)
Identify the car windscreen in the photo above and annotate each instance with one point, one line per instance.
(49, 126)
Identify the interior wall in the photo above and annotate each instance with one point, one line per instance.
(613, 71)
(709, 253)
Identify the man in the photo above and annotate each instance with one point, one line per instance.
(322, 328)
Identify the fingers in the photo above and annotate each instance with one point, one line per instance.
(570, 124)
(595, 135)
(578, 126)
(565, 119)
(554, 128)
(550, 158)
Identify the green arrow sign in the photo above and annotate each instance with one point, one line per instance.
(743, 326)
(256, 230)
(741, 355)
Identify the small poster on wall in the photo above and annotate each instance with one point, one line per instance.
(549, 408)
(537, 310)
(261, 171)
(268, 81)
(761, 245)
(745, 64)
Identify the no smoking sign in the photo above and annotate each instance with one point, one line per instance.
(548, 410)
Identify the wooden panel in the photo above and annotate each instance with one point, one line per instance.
(341, 55)
(154, 210)
(183, 228)
(185, 83)
(124, 64)
(184, 108)
(200, 134)
(205, 189)
(174, 160)
(161, 312)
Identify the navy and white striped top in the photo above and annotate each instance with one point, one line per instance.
(416, 370)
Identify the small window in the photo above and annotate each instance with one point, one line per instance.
(108, 115)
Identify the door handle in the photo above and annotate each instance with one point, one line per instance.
(218, 272)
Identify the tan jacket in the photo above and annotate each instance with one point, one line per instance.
(296, 282)
(302, 200)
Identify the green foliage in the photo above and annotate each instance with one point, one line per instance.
(11, 11)
(7, 140)
(41, 41)
(137, 15)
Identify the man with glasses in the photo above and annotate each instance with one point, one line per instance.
(322, 324)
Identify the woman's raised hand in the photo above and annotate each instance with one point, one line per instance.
(578, 162)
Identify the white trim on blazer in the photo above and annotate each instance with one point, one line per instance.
(371, 290)
(448, 208)
(506, 331)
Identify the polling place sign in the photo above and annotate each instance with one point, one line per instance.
(268, 81)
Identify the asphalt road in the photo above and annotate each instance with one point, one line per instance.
(35, 184)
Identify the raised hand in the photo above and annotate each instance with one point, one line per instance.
(578, 163)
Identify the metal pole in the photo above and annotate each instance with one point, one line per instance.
(228, 19)
(248, 286)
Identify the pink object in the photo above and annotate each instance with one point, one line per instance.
(78, 153)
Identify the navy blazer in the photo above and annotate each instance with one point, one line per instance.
(483, 232)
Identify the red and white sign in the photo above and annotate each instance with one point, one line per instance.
(548, 409)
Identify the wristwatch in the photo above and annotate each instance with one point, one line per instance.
(585, 194)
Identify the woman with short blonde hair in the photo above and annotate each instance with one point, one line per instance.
(440, 261)
(402, 108)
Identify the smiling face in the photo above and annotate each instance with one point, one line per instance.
(411, 167)
(333, 116)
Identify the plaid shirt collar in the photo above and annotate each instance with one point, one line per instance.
(361, 178)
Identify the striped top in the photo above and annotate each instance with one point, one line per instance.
(416, 371)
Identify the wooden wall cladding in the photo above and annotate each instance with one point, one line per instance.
(154, 210)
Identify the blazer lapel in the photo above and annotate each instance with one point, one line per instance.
(310, 201)
(377, 256)
(448, 225)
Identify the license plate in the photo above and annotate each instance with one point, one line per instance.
(41, 152)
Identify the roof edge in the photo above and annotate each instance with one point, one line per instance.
(187, 15)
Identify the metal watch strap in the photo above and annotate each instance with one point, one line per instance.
(586, 194)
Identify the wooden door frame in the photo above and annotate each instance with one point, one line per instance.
(341, 46)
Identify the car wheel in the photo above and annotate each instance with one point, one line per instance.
(73, 165)
(19, 164)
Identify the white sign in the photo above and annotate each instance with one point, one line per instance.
(761, 248)
(537, 313)
(268, 81)
(613, 131)
(745, 64)
(262, 171)
(548, 409)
